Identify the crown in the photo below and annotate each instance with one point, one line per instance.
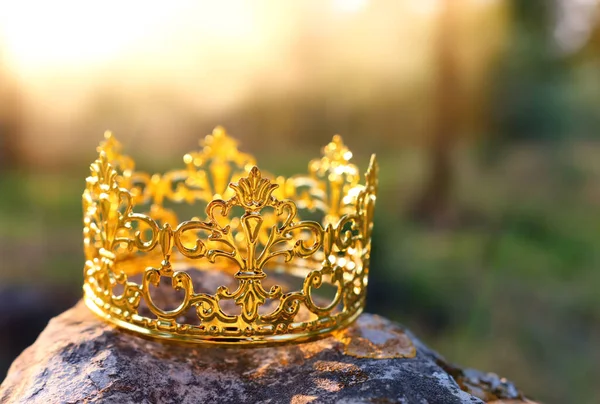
(276, 264)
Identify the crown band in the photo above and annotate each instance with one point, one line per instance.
(252, 230)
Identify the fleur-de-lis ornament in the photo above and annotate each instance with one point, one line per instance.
(253, 192)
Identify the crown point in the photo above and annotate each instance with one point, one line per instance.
(373, 160)
(337, 151)
(219, 131)
(373, 165)
(371, 174)
(110, 145)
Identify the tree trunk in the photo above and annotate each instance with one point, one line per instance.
(434, 204)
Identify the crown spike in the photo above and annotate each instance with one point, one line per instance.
(217, 163)
(110, 144)
(336, 151)
(371, 181)
(219, 147)
(219, 144)
(219, 131)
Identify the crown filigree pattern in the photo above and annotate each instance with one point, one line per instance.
(251, 229)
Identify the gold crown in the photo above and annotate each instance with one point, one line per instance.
(252, 228)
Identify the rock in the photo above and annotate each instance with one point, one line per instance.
(24, 313)
(80, 359)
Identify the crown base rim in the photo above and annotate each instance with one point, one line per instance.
(221, 341)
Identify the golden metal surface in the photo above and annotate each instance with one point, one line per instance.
(252, 229)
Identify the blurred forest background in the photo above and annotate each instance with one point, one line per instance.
(484, 114)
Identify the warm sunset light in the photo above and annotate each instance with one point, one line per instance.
(350, 5)
(216, 55)
(38, 36)
(222, 208)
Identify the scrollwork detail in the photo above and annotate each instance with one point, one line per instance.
(267, 234)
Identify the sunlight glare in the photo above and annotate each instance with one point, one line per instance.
(72, 33)
(350, 6)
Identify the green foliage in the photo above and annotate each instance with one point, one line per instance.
(539, 93)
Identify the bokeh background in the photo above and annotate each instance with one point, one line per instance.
(485, 115)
